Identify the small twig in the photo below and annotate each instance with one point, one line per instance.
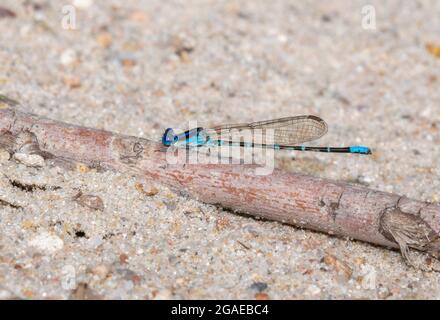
(333, 207)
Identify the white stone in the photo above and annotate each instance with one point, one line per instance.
(94, 242)
(282, 38)
(82, 4)
(163, 294)
(313, 290)
(30, 160)
(5, 294)
(47, 243)
(369, 279)
(68, 277)
(4, 156)
(68, 57)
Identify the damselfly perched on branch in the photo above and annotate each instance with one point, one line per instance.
(283, 134)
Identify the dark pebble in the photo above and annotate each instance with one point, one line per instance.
(259, 286)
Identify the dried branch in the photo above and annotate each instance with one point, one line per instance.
(333, 207)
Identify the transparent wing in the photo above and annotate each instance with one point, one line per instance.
(283, 131)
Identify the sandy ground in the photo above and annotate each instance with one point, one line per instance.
(137, 67)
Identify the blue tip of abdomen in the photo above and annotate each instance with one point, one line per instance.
(360, 149)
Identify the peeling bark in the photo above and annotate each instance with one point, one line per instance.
(409, 230)
(333, 207)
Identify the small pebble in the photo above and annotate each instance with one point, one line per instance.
(313, 290)
(28, 293)
(163, 294)
(123, 258)
(136, 279)
(6, 13)
(94, 242)
(262, 296)
(104, 40)
(4, 156)
(338, 265)
(68, 57)
(101, 271)
(72, 82)
(29, 160)
(222, 223)
(68, 277)
(148, 190)
(28, 224)
(259, 286)
(84, 292)
(128, 62)
(126, 273)
(326, 18)
(183, 45)
(359, 261)
(384, 293)
(5, 294)
(82, 168)
(89, 201)
(138, 16)
(82, 4)
(433, 49)
(368, 280)
(47, 243)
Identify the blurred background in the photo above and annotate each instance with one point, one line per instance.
(369, 68)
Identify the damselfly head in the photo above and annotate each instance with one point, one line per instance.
(169, 137)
